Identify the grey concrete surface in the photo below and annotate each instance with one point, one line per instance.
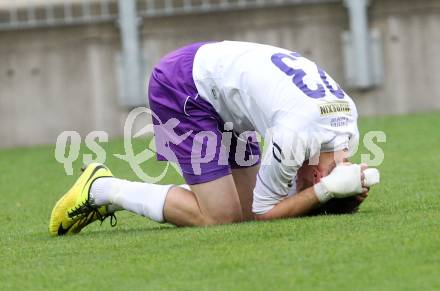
(59, 79)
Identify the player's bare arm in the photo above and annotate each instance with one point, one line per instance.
(342, 185)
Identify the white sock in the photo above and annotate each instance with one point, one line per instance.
(142, 198)
(114, 208)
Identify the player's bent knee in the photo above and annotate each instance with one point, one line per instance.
(227, 215)
(218, 201)
(221, 219)
(230, 215)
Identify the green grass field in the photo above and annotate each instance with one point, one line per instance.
(393, 243)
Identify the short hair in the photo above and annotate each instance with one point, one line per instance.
(347, 205)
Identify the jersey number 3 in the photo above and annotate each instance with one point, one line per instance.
(298, 77)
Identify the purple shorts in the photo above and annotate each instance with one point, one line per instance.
(187, 128)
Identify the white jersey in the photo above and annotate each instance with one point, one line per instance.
(288, 99)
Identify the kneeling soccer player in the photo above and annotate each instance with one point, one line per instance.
(207, 100)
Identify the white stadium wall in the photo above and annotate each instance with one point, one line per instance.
(65, 78)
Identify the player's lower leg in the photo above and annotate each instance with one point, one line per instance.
(141, 198)
(174, 204)
(97, 195)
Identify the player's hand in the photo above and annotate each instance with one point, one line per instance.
(344, 181)
(365, 188)
(370, 176)
(347, 180)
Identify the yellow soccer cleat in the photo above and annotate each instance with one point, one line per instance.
(76, 209)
